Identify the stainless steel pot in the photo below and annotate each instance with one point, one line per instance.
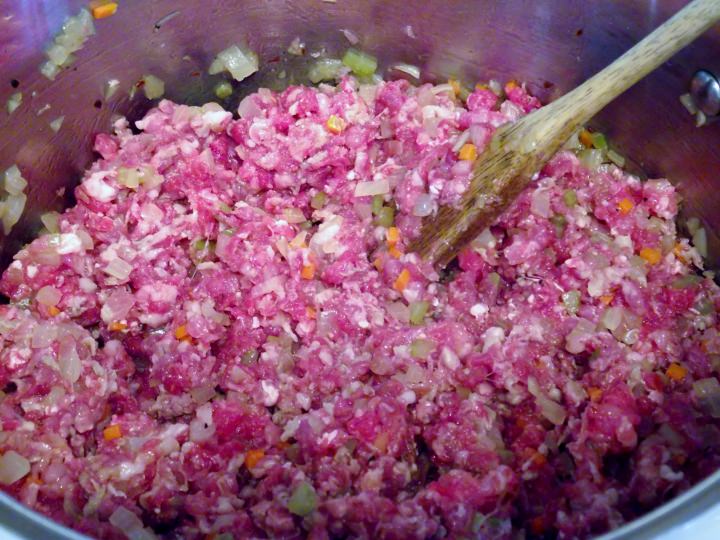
(551, 44)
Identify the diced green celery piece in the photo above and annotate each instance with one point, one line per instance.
(361, 64)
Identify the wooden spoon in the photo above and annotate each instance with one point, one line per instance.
(519, 150)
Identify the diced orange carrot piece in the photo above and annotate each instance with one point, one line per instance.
(335, 124)
(539, 459)
(395, 252)
(625, 206)
(392, 235)
(607, 298)
(676, 372)
(586, 138)
(651, 255)
(117, 326)
(595, 393)
(377, 263)
(308, 271)
(112, 432)
(253, 457)
(468, 152)
(104, 10)
(402, 280)
(181, 332)
(480, 86)
(510, 85)
(311, 312)
(53, 311)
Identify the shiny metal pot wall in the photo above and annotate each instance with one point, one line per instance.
(551, 44)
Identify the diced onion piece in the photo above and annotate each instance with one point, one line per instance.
(293, 215)
(111, 86)
(325, 69)
(699, 239)
(14, 182)
(576, 339)
(424, 205)
(56, 124)
(692, 224)
(49, 70)
(51, 221)
(540, 203)
(361, 64)
(590, 158)
(118, 269)
(296, 47)
(68, 360)
(408, 69)
(117, 306)
(707, 392)
(378, 187)
(13, 467)
(688, 103)
(57, 54)
(153, 87)
(14, 102)
(43, 335)
(130, 525)
(616, 158)
(14, 207)
(303, 500)
(48, 296)
(240, 64)
(551, 410)
(612, 317)
(128, 177)
(399, 311)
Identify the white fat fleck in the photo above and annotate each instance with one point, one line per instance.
(128, 469)
(493, 336)
(69, 243)
(624, 242)
(216, 118)
(31, 271)
(98, 189)
(329, 437)
(270, 392)
(352, 175)
(303, 401)
(668, 474)
(255, 322)
(596, 285)
(478, 310)
(407, 397)
(449, 358)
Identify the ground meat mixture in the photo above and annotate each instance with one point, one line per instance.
(226, 337)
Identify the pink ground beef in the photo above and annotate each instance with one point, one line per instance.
(206, 351)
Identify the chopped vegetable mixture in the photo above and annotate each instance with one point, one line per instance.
(226, 337)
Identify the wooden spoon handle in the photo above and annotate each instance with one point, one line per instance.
(519, 150)
(585, 101)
